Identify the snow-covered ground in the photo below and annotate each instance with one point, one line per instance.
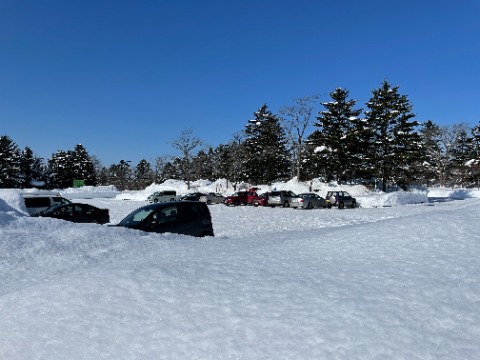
(396, 278)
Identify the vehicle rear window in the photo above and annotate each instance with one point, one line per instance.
(36, 202)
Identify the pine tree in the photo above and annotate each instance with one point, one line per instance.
(10, 164)
(474, 162)
(82, 166)
(333, 142)
(143, 175)
(60, 170)
(462, 153)
(395, 143)
(266, 155)
(432, 154)
(202, 165)
(31, 169)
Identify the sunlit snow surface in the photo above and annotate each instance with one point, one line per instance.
(370, 283)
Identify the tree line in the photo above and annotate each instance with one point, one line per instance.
(381, 145)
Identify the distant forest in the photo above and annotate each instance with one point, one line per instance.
(381, 145)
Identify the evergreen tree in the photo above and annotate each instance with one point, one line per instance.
(10, 164)
(222, 162)
(432, 154)
(142, 175)
(462, 153)
(202, 165)
(333, 142)
(267, 158)
(66, 166)
(396, 143)
(83, 167)
(60, 170)
(474, 162)
(32, 169)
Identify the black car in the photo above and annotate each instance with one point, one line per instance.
(181, 217)
(77, 212)
(192, 196)
(341, 199)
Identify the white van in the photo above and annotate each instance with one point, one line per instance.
(161, 196)
(36, 202)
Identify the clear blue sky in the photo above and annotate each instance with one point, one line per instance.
(125, 78)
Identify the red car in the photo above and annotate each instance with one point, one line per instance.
(241, 197)
(261, 200)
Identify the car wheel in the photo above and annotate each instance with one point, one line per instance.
(310, 205)
(354, 205)
(286, 204)
(155, 201)
(341, 205)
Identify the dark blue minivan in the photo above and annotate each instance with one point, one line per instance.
(181, 217)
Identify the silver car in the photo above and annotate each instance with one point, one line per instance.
(312, 200)
(284, 198)
(212, 198)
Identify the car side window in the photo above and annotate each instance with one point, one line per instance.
(166, 215)
(191, 213)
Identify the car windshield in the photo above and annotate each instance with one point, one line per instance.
(137, 216)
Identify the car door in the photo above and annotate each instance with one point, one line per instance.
(79, 213)
(165, 219)
(192, 219)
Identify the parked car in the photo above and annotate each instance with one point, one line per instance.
(192, 196)
(77, 212)
(212, 198)
(161, 196)
(261, 200)
(181, 217)
(341, 199)
(241, 197)
(37, 202)
(312, 200)
(284, 198)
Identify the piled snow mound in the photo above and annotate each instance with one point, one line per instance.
(11, 202)
(393, 199)
(455, 194)
(318, 187)
(90, 192)
(219, 186)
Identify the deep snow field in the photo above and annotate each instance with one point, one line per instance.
(396, 278)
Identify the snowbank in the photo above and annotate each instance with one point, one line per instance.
(90, 192)
(365, 197)
(396, 198)
(11, 201)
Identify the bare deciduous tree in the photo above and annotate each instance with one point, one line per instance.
(295, 120)
(186, 144)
